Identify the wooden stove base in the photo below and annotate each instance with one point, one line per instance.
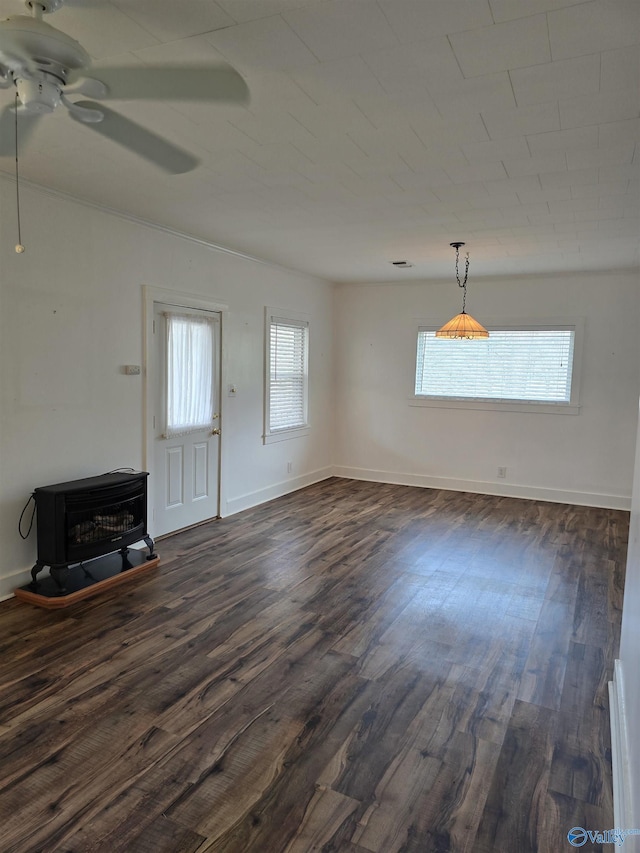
(85, 581)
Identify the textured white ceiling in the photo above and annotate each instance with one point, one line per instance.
(378, 130)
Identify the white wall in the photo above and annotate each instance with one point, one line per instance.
(584, 458)
(630, 667)
(71, 316)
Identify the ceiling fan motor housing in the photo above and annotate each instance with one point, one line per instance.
(42, 45)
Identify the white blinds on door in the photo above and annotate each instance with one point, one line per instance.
(189, 373)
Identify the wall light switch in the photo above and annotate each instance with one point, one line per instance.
(232, 390)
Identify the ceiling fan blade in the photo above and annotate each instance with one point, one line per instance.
(172, 83)
(88, 86)
(26, 124)
(140, 140)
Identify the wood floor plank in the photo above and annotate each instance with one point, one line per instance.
(238, 776)
(165, 836)
(326, 812)
(580, 775)
(521, 776)
(586, 679)
(561, 813)
(591, 617)
(451, 809)
(72, 779)
(384, 827)
(273, 820)
(402, 698)
(543, 677)
(352, 668)
(480, 705)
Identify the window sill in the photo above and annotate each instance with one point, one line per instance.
(497, 405)
(285, 434)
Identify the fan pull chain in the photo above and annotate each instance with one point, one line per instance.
(19, 246)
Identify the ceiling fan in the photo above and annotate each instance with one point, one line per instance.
(45, 67)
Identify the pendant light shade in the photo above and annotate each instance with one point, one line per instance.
(462, 325)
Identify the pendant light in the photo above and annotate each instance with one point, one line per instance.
(462, 325)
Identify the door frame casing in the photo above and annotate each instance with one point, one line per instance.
(150, 296)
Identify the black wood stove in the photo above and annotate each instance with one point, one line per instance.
(88, 518)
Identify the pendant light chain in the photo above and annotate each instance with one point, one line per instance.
(19, 246)
(462, 284)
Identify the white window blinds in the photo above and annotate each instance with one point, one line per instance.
(189, 373)
(288, 357)
(533, 365)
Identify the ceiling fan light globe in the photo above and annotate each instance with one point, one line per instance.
(37, 96)
(47, 6)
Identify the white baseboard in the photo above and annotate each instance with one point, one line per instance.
(8, 583)
(507, 490)
(277, 490)
(623, 801)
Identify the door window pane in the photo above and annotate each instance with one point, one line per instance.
(189, 374)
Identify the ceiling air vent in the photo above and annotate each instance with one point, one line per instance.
(402, 265)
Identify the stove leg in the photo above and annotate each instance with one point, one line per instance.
(126, 564)
(34, 573)
(150, 545)
(60, 575)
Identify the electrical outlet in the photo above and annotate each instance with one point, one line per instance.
(502, 473)
(289, 467)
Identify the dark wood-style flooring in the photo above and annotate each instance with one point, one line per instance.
(352, 668)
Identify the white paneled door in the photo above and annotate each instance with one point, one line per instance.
(186, 417)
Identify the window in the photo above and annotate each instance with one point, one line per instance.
(286, 392)
(189, 373)
(530, 366)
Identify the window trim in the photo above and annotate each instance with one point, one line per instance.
(574, 405)
(295, 318)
